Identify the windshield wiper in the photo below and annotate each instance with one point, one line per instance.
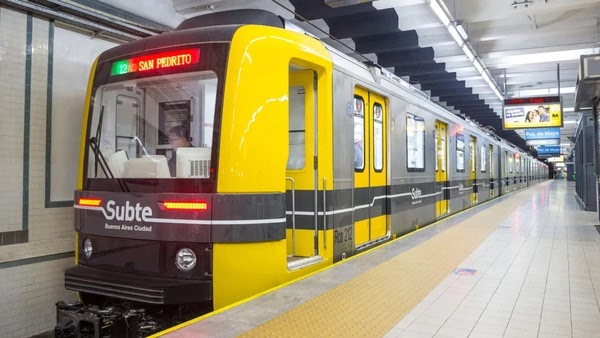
(99, 159)
(95, 141)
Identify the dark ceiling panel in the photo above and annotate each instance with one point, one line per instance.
(444, 77)
(404, 58)
(364, 24)
(443, 85)
(428, 68)
(387, 42)
(376, 31)
(452, 92)
(316, 9)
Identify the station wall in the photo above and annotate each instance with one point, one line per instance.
(44, 69)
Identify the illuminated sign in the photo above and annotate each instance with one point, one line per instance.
(542, 136)
(560, 158)
(171, 59)
(532, 112)
(548, 150)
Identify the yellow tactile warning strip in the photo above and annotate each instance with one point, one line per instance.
(371, 304)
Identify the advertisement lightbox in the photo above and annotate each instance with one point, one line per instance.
(532, 112)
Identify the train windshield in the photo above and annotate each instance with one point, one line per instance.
(153, 128)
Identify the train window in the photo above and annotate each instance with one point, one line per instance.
(296, 158)
(154, 128)
(483, 153)
(126, 124)
(491, 154)
(510, 164)
(415, 143)
(171, 114)
(517, 163)
(460, 153)
(472, 156)
(437, 150)
(359, 133)
(377, 137)
(443, 148)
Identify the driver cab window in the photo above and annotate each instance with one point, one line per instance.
(158, 127)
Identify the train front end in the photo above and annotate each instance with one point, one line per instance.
(181, 195)
(143, 215)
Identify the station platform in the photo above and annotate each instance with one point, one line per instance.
(524, 265)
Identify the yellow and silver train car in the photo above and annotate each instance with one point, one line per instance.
(294, 156)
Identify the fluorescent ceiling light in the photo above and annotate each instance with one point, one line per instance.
(455, 35)
(462, 32)
(437, 9)
(545, 91)
(565, 55)
(498, 94)
(459, 35)
(478, 65)
(568, 109)
(468, 52)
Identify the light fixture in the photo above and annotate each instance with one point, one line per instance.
(455, 35)
(569, 122)
(87, 248)
(467, 50)
(478, 66)
(462, 31)
(459, 35)
(437, 9)
(185, 259)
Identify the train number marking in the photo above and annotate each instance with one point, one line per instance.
(343, 235)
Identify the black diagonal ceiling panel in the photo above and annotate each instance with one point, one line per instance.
(376, 31)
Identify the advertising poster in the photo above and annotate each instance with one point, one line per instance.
(542, 112)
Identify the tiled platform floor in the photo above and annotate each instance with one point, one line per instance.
(537, 275)
(533, 276)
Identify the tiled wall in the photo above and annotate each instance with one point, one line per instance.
(12, 92)
(36, 236)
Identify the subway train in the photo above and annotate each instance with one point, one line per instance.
(292, 156)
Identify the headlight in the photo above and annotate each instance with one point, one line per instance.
(185, 260)
(87, 248)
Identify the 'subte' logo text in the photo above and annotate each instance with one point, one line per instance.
(127, 212)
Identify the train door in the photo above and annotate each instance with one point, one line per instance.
(491, 170)
(370, 173)
(441, 173)
(301, 173)
(473, 168)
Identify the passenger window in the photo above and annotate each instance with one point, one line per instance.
(377, 137)
(359, 133)
(437, 150)
(491, 153)
(296, 159)
(415, 143)
(472, 156)
(460, 153)
(483, 158)
(443, 145)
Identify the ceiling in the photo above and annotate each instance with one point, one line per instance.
(522, 43)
